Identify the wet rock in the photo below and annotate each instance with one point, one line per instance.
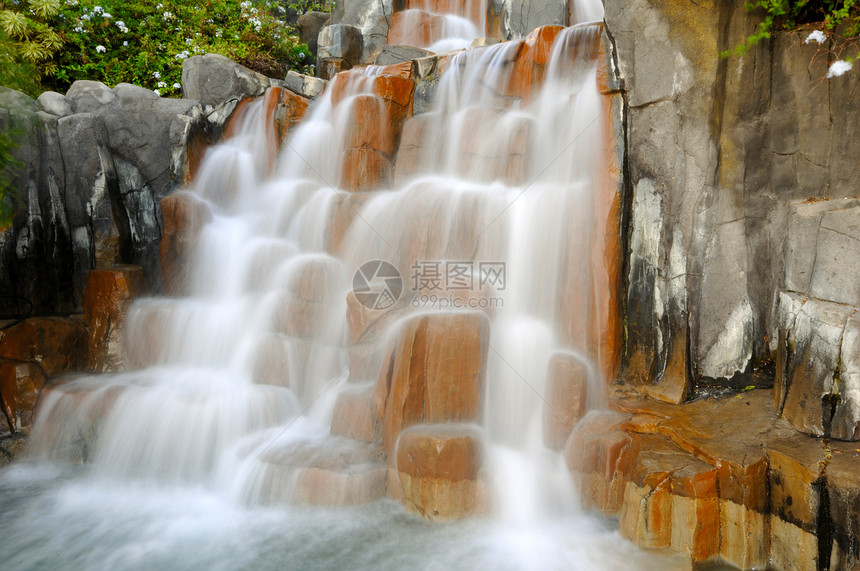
(106, 299)
(333, 472)
(372, 19)
(433, 371)
(330, 67)
(566, 398)
(523, 16)
(12, 448)
(184, 216)
(435, 471)
(411, 151)
(353, 415)
(20, 385)
(57, 344)
(391, 55)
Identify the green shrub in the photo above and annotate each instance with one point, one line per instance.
(31, 32)
(835, 16)
(144, 42)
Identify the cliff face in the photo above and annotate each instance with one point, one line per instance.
(718, 151)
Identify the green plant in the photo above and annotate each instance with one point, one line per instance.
(145, 42)
(835, 16)
(29, 25)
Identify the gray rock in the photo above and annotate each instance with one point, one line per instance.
(310, 24)
(55, 104)
(818, 367)
(127, 91)
(340, 41)
(513, 19)
(213, 79)
(391, 55)
(304, 85)
(89, 96)
(372, 18)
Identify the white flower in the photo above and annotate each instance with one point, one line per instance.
(98, 10)
(156, 75)
(167, 16)
(125, 44)
(177, 86)
(79, 29)
(838, 67)
(122, 27)
(162, 84)
(157, 92)
(106, 15)
(816, 36)
(101, 49)
(85, 17)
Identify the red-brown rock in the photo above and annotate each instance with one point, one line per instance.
(57, 344)
(185, 215)
(106, 299)
(20, 384)
(435, 471)
(434, 371)
(353, 415)
(566, 398)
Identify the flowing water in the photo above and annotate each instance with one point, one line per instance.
(190, 460)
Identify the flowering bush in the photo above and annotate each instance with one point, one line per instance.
(29, 34)
(144, 42)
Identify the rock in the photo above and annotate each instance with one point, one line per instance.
(566, 397)
(391, 55)
(57, 344)
(89, 96)
(415, 28)
(55, 104)
(371, 17)
(435, 471)
(410, 155)
(340, 41)
(106, 300)
(213, 79)
(434, 371)
(817, 386)
(353, 414)
(20, 385)
(330, 67)
(304, 85)
(12, 448)
(334, 472)
(310, 23)
(526, 15)
(184, 216)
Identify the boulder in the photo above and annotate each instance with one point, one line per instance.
(184, 216)
(330, 67)
(566, 397)
(89, 96)
(106, 299)
(304, 85)
(391, 55)
(310, 23)
(435, 471)
(433, 371)
(340, 41)
(20, 385)
(213, 80)
(55, 103)
(57, 344)
(353, 414)
(371, 17)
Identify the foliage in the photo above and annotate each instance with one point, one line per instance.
(144, 42)
(30, 26)
(842, 16)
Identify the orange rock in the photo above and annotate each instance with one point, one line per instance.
(365, 169)
(566, 398)
(57, 344)
(371, 125)
(330, 67)
(292, 108)
(434, 471)
(367, 324)
(271, 362)
(353, 415)
(20, 384)
(434, 371)
(409, 155)
(185, 215)
(600, 456)
(415, 27)
(106, 299)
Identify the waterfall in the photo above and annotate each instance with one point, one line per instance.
(234, 386)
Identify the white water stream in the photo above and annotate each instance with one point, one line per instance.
(185, 455)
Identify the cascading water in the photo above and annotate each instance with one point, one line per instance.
(194, 458)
